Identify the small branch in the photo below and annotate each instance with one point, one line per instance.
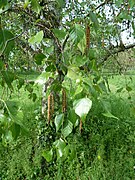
(102, 4)
(6, 43)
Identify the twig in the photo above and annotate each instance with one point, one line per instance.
(6, 43)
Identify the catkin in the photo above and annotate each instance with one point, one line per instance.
(128, 6)
(52, 104)
(103, 43)
(49, 109)
(87, 37)
(64, 101)
(80, 127)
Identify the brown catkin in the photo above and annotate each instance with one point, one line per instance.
(80, 127)
(128, 8)
(49, 109)
(87, 37)
(52, 104)
(64, 101)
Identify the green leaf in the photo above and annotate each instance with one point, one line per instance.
(109, 115)
(92, 54)
(35, 5)
(79, 60)
(48, 155)
(132, 3)
(97, 88)
(82, 44)
(67, 130)
(124, 15)
(59, 145)
(8, 136)
(102, 86)
(106, 105)
(72, 154)
(1, 65)
(66, 151)
(26, 3)
(39, 58)
(37, 38)
(3, 119)
(77, 34)
(20, 83)
(12, 107)
(15, 129)
(59, 33)
(132, 110)
(73, 72)
(42, 78)
(61, 3)
(8, 77)
(58, 121)
(72, 117)
(3, 3)
(94, 19)
(6, 44)
(78, 89)
(82, 107)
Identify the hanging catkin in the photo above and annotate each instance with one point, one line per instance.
(64, 101)
(52, 104)
(80, 126)
(87, 37)
(49, 109)
(128, 8)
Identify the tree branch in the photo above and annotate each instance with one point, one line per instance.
(116, 50)
(102, 4)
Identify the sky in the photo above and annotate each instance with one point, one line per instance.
(125, 34)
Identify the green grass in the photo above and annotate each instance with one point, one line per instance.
(123, 85)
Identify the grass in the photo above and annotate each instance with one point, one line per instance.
(123, 86)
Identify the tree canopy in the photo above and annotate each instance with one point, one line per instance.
(50, 28)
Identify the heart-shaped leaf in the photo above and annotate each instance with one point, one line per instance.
(48, 155)
(37, 38)
(82, 107)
